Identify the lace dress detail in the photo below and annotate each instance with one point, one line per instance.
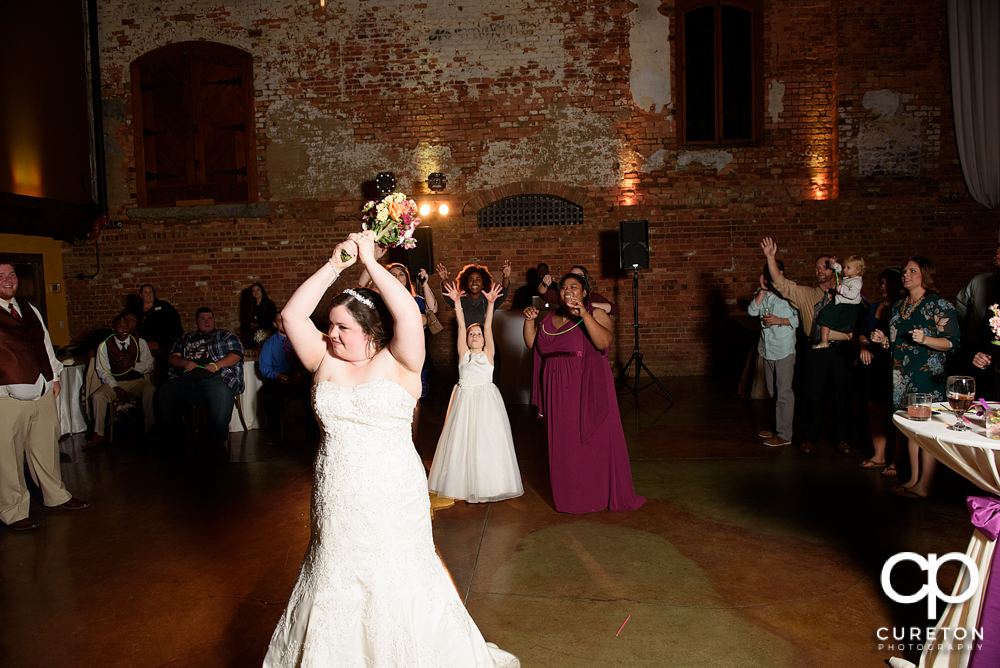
(371, 590)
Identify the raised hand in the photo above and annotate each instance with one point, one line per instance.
(451, 291)
(506, 268)
(422, 275)
(365, 242)
(494, 293)
(574, 306)
(769, 247)
(344, 255)
(442, 272)
(530, 313)
(547, 280)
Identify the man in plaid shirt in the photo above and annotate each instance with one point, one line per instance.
(206, 367)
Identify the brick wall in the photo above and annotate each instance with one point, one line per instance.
(858, 154)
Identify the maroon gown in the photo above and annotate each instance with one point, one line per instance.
(574, 390)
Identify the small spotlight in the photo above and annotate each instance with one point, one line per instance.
(425, 209)
(437, 181)
(385, 183)
(443, 209)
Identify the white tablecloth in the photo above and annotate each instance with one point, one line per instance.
(974, 456)
(252, 412)
(71, 418)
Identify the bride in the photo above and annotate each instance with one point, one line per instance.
(371, 590)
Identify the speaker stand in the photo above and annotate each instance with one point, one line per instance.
(636, 355)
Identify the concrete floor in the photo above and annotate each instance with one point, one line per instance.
(743, 555)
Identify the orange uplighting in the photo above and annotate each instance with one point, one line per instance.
(25, 167)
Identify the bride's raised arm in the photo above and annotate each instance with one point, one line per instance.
(308, 342)
(407, 344)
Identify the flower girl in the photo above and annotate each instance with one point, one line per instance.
(475, 457)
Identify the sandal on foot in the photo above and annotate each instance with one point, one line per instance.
(889, 471)
(871, 464)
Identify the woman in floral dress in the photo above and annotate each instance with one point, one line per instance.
(923, 334)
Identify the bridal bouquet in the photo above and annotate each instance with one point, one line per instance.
(393, 221)
(995, 323)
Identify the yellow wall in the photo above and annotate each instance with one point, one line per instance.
(52, 264)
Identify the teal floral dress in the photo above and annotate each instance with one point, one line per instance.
(915, 367)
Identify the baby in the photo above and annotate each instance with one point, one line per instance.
(842, 313)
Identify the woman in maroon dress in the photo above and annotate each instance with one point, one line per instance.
(574, 390)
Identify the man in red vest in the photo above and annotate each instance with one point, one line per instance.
(29, 424)
(122, 362)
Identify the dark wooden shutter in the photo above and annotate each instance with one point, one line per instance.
(195, 103)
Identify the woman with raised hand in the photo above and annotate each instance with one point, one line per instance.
(475, 459)
(372, 590)
(574, 391)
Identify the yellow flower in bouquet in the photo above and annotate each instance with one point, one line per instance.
(392, 219)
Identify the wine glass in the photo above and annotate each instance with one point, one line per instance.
(961, 394)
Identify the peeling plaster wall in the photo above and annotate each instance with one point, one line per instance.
(775, 100)
(338, 87)
(649, 46)
(891, 144)
(576, 100)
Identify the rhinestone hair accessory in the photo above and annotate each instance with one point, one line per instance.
(361, 298)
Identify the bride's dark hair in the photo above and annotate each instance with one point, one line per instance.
(374, 322)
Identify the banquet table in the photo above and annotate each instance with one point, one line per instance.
(253, 410)
(974, 456)
(71, 418)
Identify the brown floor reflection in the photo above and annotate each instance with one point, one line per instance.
(743, 555)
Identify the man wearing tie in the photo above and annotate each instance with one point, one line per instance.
(29, 423)
(122, 362)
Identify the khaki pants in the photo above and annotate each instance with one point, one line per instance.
(138, 388)
(29, 429)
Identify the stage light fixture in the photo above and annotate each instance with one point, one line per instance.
(385, 183)
(437, 181)
(443, 209)
(425, 209)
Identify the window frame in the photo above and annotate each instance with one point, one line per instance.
(757, 71)
(234, 57)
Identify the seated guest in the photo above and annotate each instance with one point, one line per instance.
(283, 375)
(122, 362)
(206, 367)
(547, 289)
(133, 324)
(258, 316)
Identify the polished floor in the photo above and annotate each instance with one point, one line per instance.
(743, 555)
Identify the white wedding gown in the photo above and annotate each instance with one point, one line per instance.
(475, 459)
(372, 590)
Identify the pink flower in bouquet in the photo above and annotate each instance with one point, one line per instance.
(393, 220)
(995, 323)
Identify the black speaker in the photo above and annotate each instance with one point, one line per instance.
(633, 244)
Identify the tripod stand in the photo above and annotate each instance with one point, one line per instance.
(636, 355)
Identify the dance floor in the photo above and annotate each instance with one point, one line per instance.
(743, 555)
